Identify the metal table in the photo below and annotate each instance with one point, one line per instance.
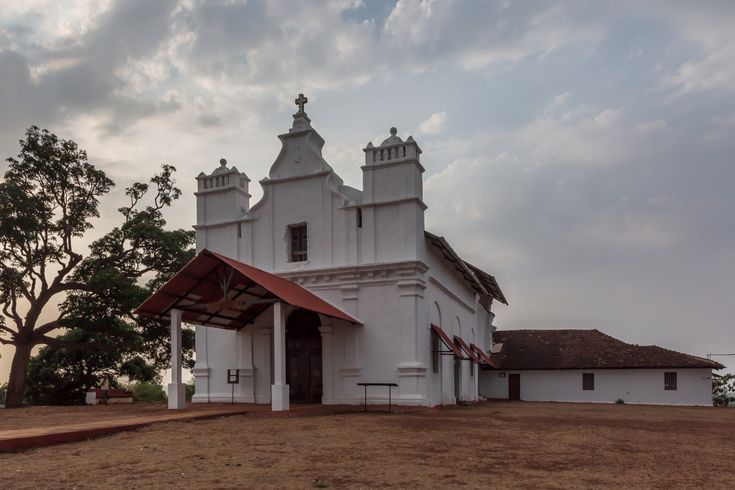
(390, 388)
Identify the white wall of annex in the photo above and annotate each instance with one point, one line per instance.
(694, 386)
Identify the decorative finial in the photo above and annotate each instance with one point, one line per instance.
(393, 131)
(300, 102)
(223, 162)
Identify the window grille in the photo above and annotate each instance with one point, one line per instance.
(670, 380)
(588, 381)
(298, 243)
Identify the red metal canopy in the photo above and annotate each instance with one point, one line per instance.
(218, 291)
(447, 341)
(482, 355)
(470, 353)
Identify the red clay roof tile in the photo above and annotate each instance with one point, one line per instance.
(583, 349)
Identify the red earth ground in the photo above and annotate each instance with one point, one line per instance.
(495, 444)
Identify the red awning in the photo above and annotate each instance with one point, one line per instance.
(482, 355)
(447, 341)
(467, 349)
(218, 291)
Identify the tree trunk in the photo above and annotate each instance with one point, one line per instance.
(18, 375)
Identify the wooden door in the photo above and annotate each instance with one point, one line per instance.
(304, 357)
(514, 387)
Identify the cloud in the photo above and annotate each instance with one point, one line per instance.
(434, 124)
(579, 186)
(710, 30)
(714, 71)
(472, 35)
(62, 77)
(583, 214)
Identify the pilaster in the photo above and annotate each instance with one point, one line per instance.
(327, 361)
(201, 367)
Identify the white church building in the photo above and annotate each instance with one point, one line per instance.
(320, 286)
(406, 308)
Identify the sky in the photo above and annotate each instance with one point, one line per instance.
(581, 152)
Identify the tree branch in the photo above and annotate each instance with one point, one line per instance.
(8, 330)
(10, 310)
(63, 344)
(51, 326)
(7, 342)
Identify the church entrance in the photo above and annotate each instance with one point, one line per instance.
(304, 357)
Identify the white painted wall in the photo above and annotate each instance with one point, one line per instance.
(461, 314)
(694, 386)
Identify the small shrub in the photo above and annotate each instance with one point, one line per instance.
(148, 392)
(620, 401)
(189, 392)
(3, 392)
(318, 483)
(723, 390)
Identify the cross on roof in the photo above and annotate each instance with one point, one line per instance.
(301, 101)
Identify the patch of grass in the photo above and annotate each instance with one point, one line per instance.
(319, 483)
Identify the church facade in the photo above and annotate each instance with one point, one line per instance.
(424, 315)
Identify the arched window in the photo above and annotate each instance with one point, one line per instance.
(436, 315)
(436, 319)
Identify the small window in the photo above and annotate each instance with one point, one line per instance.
(435, 346)
(670, 380)
(359, 217)
(588, 381)
(298, 243)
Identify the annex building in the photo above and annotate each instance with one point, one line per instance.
(320, 286)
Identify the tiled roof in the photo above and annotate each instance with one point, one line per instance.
(203, 290)
(489, 282)
(479, 280)
(583, 349)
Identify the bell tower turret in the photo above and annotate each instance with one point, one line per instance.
(393, 206)
(222, 199)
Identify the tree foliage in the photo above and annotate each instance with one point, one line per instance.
(723, 390)
(148, 392)
(47, 201)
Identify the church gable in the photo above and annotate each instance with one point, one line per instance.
(301, 151)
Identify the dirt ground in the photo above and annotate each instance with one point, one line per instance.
(42, 416)
(495, 444)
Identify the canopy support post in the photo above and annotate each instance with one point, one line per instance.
(176, 389)
(279, 388)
